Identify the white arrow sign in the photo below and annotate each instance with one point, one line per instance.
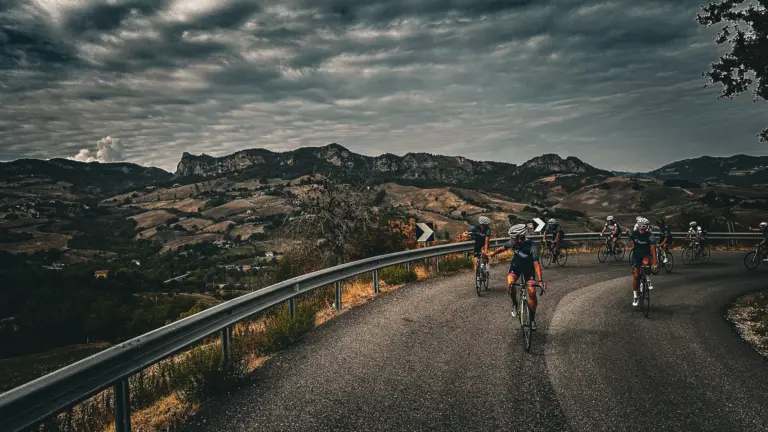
(427, 232)
(540, 224)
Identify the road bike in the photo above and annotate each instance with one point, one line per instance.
(695, 251)
(547, 255)
(609, 249)
(524, 312)
(754, 257)
(482, 274)
(643, 290)
(660, 254)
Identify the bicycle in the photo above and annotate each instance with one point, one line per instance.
(482, 274)
(660, 254)
(608, 248)
(524, 312)
(754, 257)
(547, 255)
(695, 252)
(645, 293)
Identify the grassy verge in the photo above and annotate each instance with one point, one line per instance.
(749, 316)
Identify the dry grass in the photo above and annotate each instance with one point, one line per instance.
(174, 244)
(41, 241)
(246, 230)
(230, 208)
(198, 223)
(219, 228)
(749, 316)
(151, 218)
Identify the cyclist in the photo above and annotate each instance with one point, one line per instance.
(481, 233)
(695, 234)
(645, 247)
(764, 231)
(612, 227)
(557, 232)
(637, 222)
(666, 236)
(524, 265)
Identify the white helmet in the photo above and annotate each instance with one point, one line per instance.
(609, 218)
(638, 219)
(484, 220)
(643, 223)
(517, 230)
(763, 225)
(552, 221)
(693, 223)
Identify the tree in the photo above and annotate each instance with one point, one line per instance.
(333, 215)
(746, 29)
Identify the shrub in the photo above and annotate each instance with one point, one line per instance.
(203, 373)
(397, 275)
(451, 263)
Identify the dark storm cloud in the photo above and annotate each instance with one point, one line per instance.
(491, 79)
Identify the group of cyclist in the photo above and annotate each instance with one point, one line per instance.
(525, 258)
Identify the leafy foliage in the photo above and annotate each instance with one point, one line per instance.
(747, 63)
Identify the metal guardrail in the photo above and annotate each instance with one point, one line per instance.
(38, 400)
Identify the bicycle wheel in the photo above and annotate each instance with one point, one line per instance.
(687, 255)
(670, 264)
(486, 277)
(705, 254)
(478, 283)
(546, 257)
(525, 322)
(645, 298)
(751, 260)
(562, 257)
(619, 251)
(602, 253)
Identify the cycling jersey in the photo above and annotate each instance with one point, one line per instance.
(665, 232)
(642, 248)
(695, 232)
(479, 236)
(525, 254)
(554, 230)
(615, 230)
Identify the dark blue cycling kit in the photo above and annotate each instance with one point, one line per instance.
(479, 235)
(524, 255)
(642, 248)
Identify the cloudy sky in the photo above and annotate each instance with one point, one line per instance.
(617, 84)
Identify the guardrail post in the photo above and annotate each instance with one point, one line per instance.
(122, 406)
(292, 303)
(338, 295)
(408, 266)
(437, 263)
(226, 343)
(375, 281)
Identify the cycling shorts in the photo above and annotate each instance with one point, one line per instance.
(522, 271)
(637, 258)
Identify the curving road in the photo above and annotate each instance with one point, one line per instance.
(434, 356)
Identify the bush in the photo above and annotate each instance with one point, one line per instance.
(397, 275)
(451, 263)
(203, 373)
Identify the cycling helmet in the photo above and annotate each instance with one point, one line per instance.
(552, 221)
(763, 225)
(484, 220)
(609, 218)
(692, 224)
(638, 219)
(642, 223)
(517, 230)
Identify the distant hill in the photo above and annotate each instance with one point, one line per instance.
(416, 169)
(738, 170)
(93, 178)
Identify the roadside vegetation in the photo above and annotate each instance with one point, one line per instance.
(749, 316)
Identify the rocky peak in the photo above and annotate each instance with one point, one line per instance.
(553, 162)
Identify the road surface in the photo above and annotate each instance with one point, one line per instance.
(435, 356)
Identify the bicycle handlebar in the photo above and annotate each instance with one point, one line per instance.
(520, 284)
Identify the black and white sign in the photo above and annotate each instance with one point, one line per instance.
(539, 224)
(425, 231)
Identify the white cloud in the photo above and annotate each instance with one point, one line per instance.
(108, 149)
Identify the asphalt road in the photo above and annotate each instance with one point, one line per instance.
(435, 356)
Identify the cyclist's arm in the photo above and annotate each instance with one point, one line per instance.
(653, 252)
(497, 251)
(559, 235)
(536, 264)
(487, 242)
(603, 231)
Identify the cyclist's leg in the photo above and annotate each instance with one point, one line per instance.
(512, 278)
(532, 300)
(637, 259)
